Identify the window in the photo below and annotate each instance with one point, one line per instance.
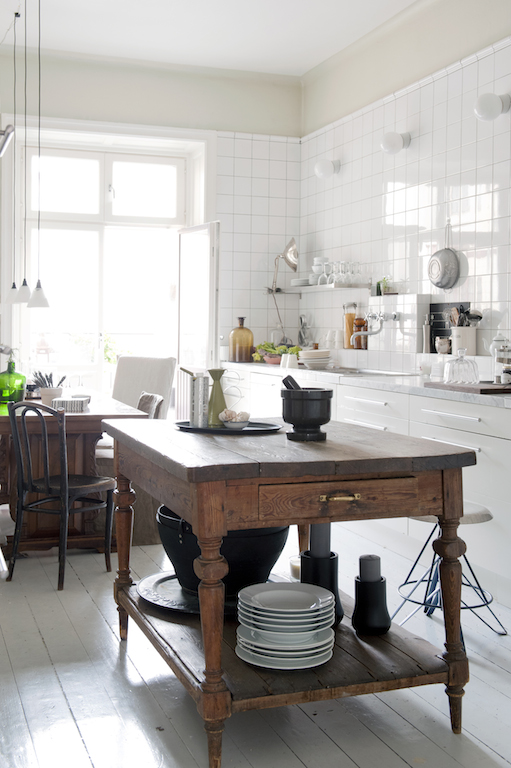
(107, 255)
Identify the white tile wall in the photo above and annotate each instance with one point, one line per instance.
(389, 211)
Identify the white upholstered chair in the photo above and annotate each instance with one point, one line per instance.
(137, 381)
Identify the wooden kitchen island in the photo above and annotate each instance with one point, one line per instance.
(220, 483)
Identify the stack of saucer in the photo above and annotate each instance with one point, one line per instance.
(285, 626)
(315, 359)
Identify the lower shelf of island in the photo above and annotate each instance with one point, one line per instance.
(359, 665)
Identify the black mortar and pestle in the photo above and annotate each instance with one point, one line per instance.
(306, 409)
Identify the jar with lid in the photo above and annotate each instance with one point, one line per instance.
(241, 343)
(349, 319)
(360, 324)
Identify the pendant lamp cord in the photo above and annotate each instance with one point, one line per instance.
(39, 143)
(25, 161)
(14, 211)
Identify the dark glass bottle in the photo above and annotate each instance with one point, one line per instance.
(241, 343)
(12, 386)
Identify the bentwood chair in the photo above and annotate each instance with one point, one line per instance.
(39, 440)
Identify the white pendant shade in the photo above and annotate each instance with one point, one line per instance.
(12, 296)
(23, 293)
(38, 299)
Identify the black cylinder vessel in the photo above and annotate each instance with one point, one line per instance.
(306, 409)
(251, 554)
(371, 616)
(322, 571)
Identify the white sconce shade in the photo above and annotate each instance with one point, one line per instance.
(392, 142)
(324, 169)
(5, 137)
(489, 106)
(38, 299)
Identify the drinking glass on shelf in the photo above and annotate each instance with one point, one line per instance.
(343, 272)
(323, 278)
(355, 276)
(333, 274)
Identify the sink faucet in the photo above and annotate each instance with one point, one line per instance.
(381, 317)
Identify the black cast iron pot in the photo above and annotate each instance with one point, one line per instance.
(306, 409)
(251, 554)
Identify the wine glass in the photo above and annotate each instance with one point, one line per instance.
(332, 277)
(323, 278)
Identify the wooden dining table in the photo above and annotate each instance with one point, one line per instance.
(219, 483)
(83, 431)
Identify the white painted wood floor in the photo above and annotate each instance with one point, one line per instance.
(73, 696)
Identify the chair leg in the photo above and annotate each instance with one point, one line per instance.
(108, 528)
(64, 525)
(16, 537)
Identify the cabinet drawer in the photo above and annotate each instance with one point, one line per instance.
(488, 479)
(373, 401)
(467, 417)
(352, 499)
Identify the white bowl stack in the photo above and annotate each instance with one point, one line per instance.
(285, 626)
(315, 359)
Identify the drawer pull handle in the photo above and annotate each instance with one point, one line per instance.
(452, 415)
(351, 497)
(366, 424)
(365, 400)
(456, 445)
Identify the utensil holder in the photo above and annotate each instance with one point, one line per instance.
(463, 337)
(323, 572)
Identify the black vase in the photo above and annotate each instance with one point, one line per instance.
(371, 616)
(251, 554)
(322, 571)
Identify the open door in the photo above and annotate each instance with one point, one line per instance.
(198, 306)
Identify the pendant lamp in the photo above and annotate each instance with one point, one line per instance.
(38, 299)
(25, 292)
(13, 295)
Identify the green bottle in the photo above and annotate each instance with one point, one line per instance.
(12, 386)
(216, 399)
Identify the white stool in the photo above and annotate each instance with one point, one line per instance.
(431, 597)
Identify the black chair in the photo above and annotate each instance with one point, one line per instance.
(59, 491)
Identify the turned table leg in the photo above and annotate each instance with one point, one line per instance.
(215, 703)
(450, 548)
(124, 498)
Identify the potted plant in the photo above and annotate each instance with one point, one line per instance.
(48, 390)
(272, 354)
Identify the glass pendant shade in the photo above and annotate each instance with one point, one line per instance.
(38, 299)
(24, 293)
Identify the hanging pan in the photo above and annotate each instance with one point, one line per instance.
(444, 265)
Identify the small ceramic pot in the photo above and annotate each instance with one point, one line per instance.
(49, 393)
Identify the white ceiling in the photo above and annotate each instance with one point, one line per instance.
(287, 37)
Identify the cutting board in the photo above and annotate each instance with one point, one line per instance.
(483, 388)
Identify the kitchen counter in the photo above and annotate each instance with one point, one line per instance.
(406, 384)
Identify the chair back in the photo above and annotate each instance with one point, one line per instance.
(136, 375)
(28, 419)
(150, 404)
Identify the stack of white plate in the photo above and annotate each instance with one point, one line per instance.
(285, 626)
(315, 359)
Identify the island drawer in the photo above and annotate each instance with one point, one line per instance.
(351, 499)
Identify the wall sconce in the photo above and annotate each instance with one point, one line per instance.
(392, 142)
(489, 106)
(324, 169)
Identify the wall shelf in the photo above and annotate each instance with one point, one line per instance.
(322, 288)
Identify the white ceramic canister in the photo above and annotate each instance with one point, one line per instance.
(463, 337)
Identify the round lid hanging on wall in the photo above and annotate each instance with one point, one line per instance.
(444, 265)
